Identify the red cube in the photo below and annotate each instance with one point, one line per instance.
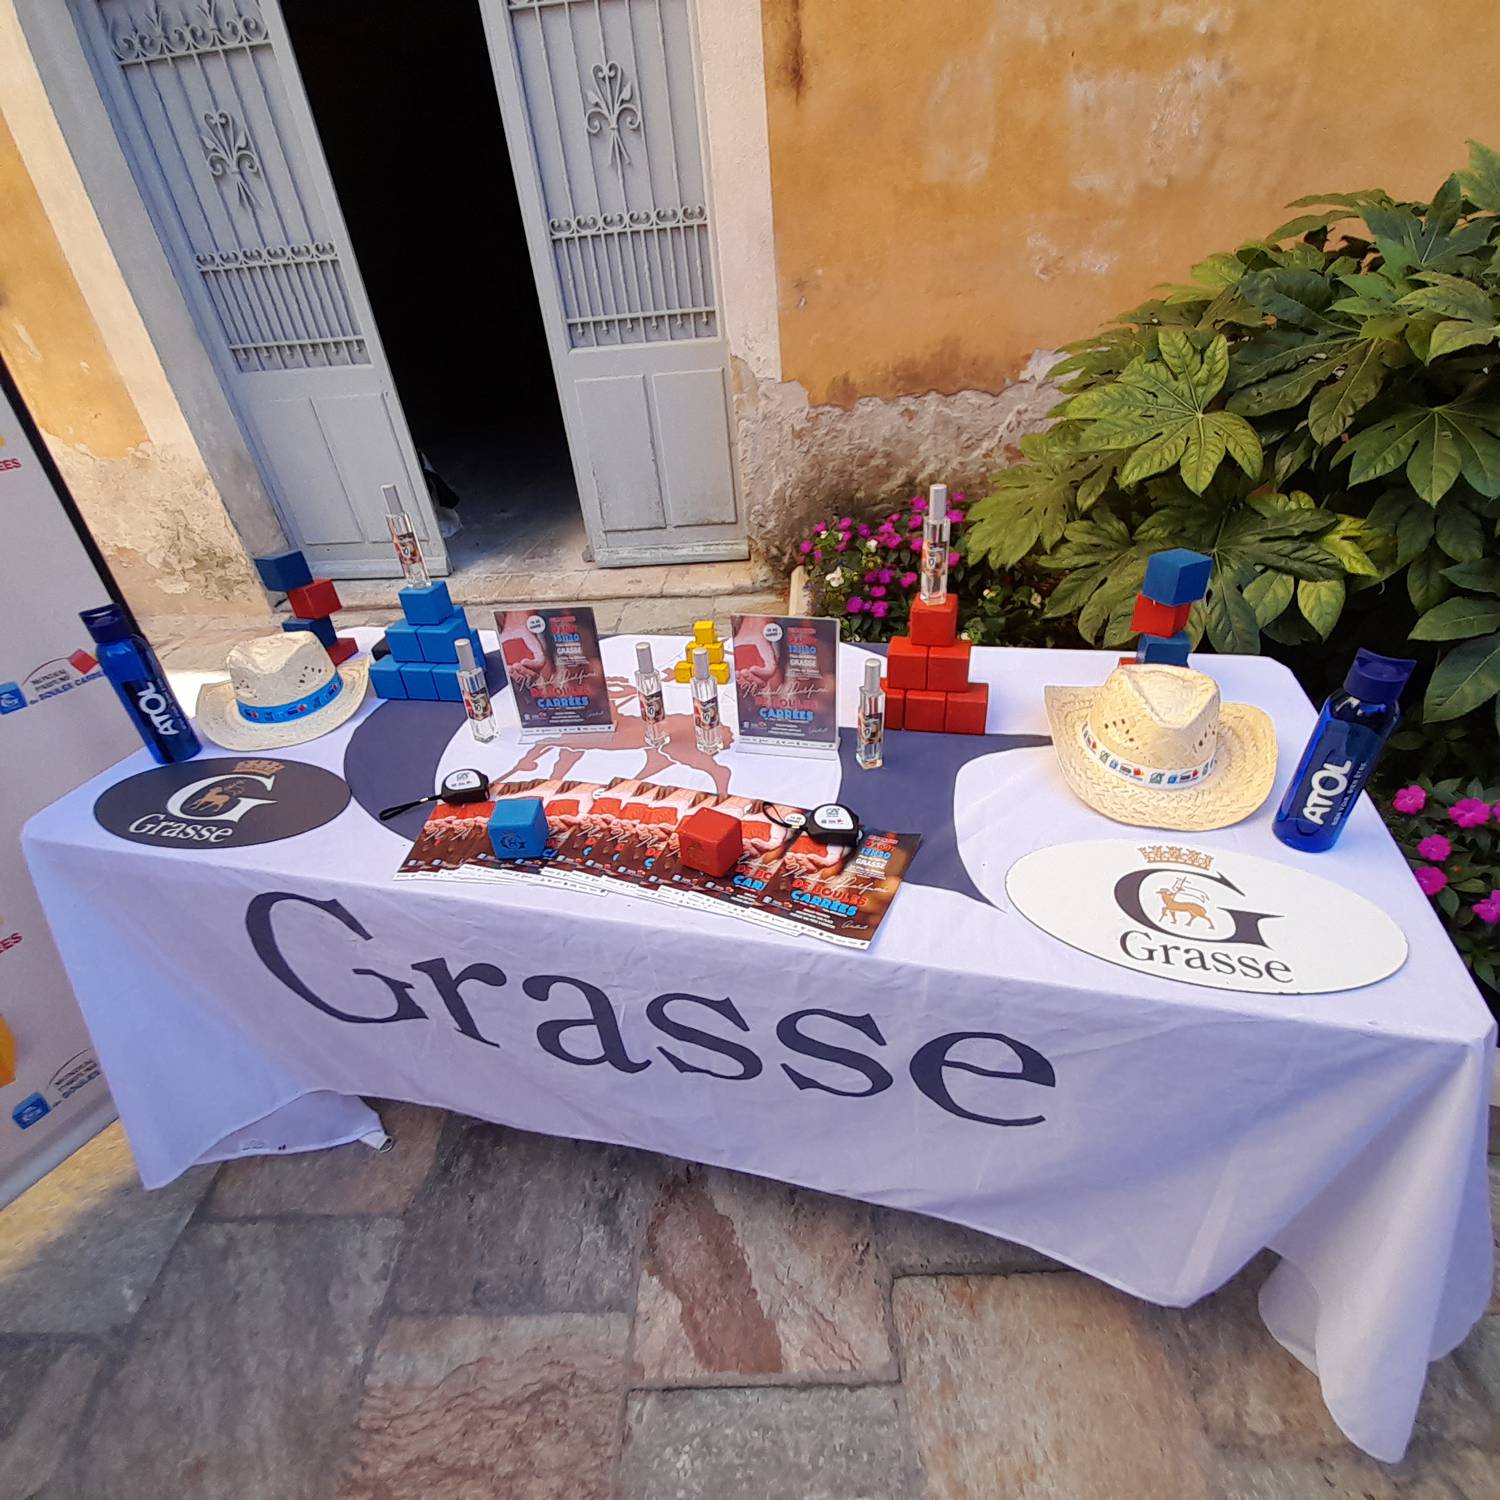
(1151, 618)
(966, 711)
(82, 662)
(948, 667)
(342, 649)
(926, 710)
(906, 664)
(935, 624)
(895, 705)
(710, 841)
(314, 601)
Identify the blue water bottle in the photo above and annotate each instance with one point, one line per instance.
(138, 680)
(1351, 733)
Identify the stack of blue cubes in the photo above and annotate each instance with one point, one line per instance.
(423, 662)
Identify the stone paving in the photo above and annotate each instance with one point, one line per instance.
(480, 1312)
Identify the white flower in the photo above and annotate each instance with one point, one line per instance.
(869, 544)
(836, 578)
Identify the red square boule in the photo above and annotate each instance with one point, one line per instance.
(906, 664)
(948, 667)
(342, 649)
(935, 624)
(925, 710)
(710, 841)
(967, 710)
(314, 601)
(1151, 618)
(895, 705)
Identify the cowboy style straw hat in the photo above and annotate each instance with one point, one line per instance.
(282, 690)
(1154, 747)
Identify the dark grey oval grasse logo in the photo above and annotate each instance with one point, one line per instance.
(223, 803)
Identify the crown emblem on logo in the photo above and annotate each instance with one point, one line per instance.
(259, 767)
(1175, 854)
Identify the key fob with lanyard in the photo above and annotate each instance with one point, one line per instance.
(458, 788)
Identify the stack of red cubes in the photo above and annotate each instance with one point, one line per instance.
(926, 681)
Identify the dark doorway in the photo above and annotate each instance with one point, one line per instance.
(404, 101)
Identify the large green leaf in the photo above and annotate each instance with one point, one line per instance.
(1425, 583)
(1334, 407)
(1435, 443)
(1409, 243)
(1231, 621)
(1482, 181)
(1409, 518)
(1268, 594)
(1321, 603)
(1466, 677)
(1483, 577)
(1280, 392)
(1030, 502)
(1458, 618)
(1450, 297)
(1297, 297)
(1460, 533)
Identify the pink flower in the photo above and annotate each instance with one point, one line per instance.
(817, 554)
(1435, 847)
(804, 548)
(1429, 877)
(820, 528)
(959, 496)
(846, 521)
(893, 542)
(864, 530)
(1410, 799)
(953, 559)
(907, 579)
(894, 516)
(1470, 812)
(1488, 910)
(880, 609)
(877, 591)
(912, 524)
(918, 505)
(885, 576)
(956, 517)
(843, 546)
(873, 576)
(855, 604)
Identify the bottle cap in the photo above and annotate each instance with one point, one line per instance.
(937, 495)
(872, 675)
(643, 662)
(1378, 679)
(392, 499)
(464, 651)
(700, 663)
(107, 623)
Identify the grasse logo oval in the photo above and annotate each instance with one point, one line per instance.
(221, 803)
(1219, 918)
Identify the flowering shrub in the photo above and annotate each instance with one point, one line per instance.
(865, 574)
(1450, 834)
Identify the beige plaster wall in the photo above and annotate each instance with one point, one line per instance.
(71, 335)
(957, 185)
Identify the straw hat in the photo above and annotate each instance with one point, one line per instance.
(1154, 747)
(282, 690)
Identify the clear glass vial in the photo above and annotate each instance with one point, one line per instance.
(708, 727)
(653, 705)
(404, 540)
(935, 539)
(869, 751)
(476, 693)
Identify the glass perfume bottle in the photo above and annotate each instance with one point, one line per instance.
(138, 680)
(708, 727)
(935, 535)
(870, 748)
(404, 539)
(476, 693)
(653, 705)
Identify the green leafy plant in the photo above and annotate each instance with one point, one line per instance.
(1319, 411)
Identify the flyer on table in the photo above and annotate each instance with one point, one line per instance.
(786, 681)
(556, 669)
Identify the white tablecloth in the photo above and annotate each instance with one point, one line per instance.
(1182, 1129)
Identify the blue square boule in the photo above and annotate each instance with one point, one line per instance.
(438, 641)
(429, 606)
(405, 643)
(284, 571)
(518, 828)
(445, 683)
(385, 678)
(325, 630)
(1177, 576)
(416, 678)
(1171, 649)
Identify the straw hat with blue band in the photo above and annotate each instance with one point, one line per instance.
(282, 690)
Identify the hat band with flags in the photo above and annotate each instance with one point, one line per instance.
(1166, 778)
(284, 713)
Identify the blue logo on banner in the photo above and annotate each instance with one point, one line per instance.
(30, 1110)
(11, 697)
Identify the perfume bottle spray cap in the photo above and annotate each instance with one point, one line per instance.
(1378, 679)
(872, 675)
(700, 663)
(643, 662)
(464, 651)
(392, 499)
(109, 622)
(937, 496)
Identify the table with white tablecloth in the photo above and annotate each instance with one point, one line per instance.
(1154, 1134)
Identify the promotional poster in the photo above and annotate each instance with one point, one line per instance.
(556, 669)
(786, 682)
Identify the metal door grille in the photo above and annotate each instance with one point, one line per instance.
(609, 86)
(207, 102)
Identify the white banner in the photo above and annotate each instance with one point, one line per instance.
(59, 724)
(1156, 1135)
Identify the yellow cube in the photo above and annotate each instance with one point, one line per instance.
(704, 633)
(715, 653)
(683, 671)
(719, 671)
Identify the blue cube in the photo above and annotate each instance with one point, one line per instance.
(416, 678)
(429, 606)
(405, 643)
(438, 641)
(325, 630)
(445, 682)
(385, 678)
(1177, 576)
(518, 828)
(284, 571)
(1171, 649)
